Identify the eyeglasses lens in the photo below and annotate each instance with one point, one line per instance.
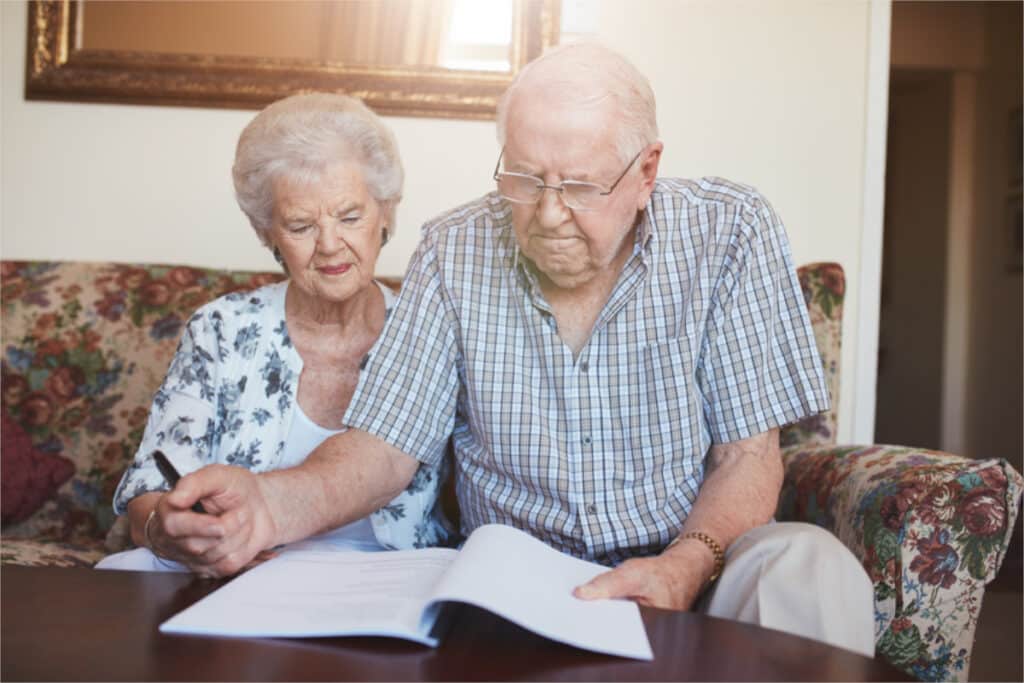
(528, 189)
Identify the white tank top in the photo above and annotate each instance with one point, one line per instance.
(303, 438)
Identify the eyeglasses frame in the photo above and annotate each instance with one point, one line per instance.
(560, 188)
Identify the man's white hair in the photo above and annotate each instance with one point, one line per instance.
(299, 137)
(584, 74)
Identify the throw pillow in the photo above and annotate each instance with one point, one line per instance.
(28, 476)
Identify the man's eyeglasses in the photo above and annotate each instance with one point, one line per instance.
(577, 195)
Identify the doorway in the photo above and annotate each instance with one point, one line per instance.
(950, 372)
(912, 314)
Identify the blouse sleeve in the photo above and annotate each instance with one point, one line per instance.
(183, 417)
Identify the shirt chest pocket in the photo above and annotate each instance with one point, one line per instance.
(656, 407)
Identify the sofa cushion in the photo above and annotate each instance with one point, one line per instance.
(28, 476)
(35, 553)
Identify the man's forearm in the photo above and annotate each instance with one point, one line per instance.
(347, 477)
(740, 491)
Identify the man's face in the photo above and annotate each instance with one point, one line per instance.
(556, 143)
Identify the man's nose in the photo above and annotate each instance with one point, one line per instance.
(551, 208)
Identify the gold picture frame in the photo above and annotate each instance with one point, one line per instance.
(59, 68)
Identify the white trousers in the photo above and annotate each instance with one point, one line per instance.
(797, 578)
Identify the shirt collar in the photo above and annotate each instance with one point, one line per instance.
(646, 234)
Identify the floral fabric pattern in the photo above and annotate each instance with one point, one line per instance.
(85, 345)
(229, 397)
(824, 286)
(34, 553)
(931, 530)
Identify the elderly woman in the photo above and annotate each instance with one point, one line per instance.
(260, 379)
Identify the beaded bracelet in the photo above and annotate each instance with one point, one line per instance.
(712, 545)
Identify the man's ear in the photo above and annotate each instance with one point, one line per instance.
(649, 172)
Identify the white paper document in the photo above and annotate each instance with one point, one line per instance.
(313, 589)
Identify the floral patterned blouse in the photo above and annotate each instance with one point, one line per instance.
(229, 398)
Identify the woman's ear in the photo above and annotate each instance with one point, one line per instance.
(277, 257)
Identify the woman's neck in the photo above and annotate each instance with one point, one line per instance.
(361, 310)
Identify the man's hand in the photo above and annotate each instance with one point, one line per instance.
(348, 476)
(238, 527)
(672, 580)
(184, 540)
(740, 489)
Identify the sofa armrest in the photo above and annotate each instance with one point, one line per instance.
(930, 528)
(909, 514)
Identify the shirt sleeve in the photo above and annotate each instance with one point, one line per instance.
(759, 367)
(408, 388)
(182, 419)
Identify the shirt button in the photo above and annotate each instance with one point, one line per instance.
(592, 509)
(584, 366)
(586, 441)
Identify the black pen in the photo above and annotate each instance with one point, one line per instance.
(171, 476)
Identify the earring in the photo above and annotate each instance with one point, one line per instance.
(280, 261)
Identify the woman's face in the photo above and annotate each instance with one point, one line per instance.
(328, 231)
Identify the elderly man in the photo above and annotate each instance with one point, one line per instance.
(611, 356)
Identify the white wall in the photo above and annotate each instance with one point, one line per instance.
(768, 93)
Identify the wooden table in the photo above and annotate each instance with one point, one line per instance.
(84, 624)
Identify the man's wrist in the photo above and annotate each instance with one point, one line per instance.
(273, 489)
(710, 545)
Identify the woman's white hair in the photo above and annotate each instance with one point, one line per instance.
(299, 137)
(585, 74)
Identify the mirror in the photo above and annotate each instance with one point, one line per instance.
(440, 58)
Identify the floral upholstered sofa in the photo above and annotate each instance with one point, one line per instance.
(85, 346)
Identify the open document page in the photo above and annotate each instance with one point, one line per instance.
(316, 590)
(320, 592)
(514, 575)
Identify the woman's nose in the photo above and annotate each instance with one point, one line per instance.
(329, 238)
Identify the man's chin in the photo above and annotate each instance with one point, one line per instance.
(565, 277)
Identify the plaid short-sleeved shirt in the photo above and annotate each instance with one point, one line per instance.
(704, 339)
